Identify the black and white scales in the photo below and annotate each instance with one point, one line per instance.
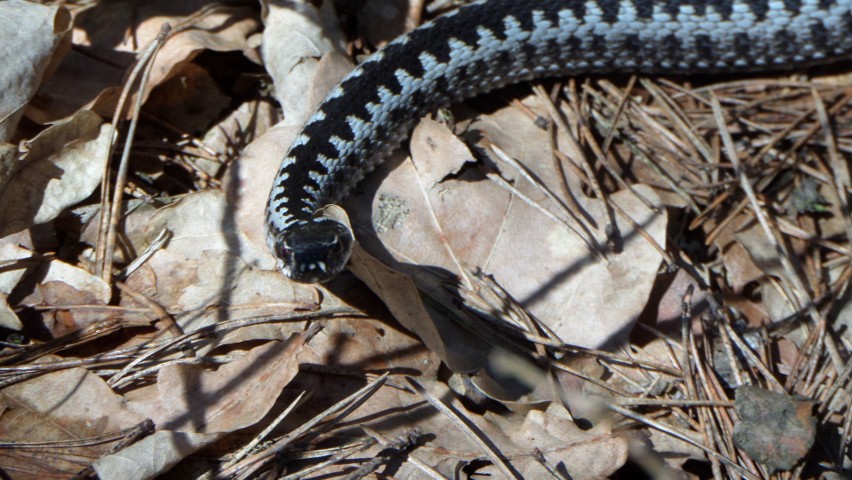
(492, 43)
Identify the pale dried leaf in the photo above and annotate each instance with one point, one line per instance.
(511, 377)
(151, 456)
(404, 221)
(63, 166)
(670, 308)
(229, 136)
(779, 307)
(32, 34)
(586, 302)
(217, 267)
(586, 454)
(190, 398)
(446, 339)
(62, 284)
(76, 400)
(447, 154)
(106, 50)
(8, 318)
(137, 215)
(313, 62)
(85, 309)
(251, 293)
(637, 380)
(739, 266)
(202, 221)
(673, 450)
(583, 454)
(71, 404)
(9, 162)
(760, 249)
(9, 277)
(75, 277)
(249, 181)
(549, 269)
(842, 318)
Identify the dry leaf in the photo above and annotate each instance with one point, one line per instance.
(670, 308)
(549, 269)
(8, 318)
(32, 35)
(62, 284)
(760, 249)
(9, 162)
(235, 396)
(194, 407)
(9, 277)
(151, 456)
(459, 350)
(63, 166)
(590, 454)
(109, 35)
(215, 270)
(739, 265)
(200, 221)
(313, 62)
(68, 405)
(230, 136)
(208, 267)
(249, 180)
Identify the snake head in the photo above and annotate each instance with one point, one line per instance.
(313, 252)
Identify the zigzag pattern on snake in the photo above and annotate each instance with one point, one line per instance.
(492, 43)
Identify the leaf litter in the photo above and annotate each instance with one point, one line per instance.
(574, 281)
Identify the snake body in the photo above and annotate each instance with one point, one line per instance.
(492, 43)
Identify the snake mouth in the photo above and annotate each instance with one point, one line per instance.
(314, 252)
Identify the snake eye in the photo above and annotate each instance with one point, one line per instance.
(314, 252)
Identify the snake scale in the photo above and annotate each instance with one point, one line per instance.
(492, 43)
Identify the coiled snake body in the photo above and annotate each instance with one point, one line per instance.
(492, 43)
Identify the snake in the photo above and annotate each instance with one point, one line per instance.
(489, 44)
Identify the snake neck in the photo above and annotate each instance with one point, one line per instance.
(488, 44)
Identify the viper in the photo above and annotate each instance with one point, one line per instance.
(492, 43)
